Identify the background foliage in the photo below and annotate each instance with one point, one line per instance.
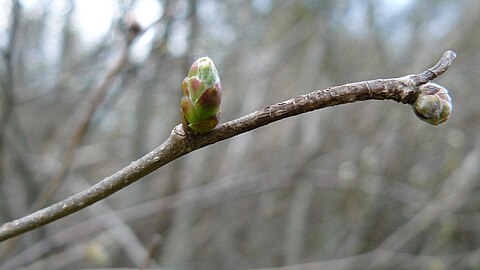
(350, 187)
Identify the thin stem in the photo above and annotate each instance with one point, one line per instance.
(180, 142)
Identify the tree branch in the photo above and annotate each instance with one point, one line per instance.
(180, 142)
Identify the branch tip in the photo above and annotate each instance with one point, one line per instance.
(438, 69)
(450, 55)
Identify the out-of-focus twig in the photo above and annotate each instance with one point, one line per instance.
(9, 82)
(8, 88)
(8, 56)
(362, 261)
(101, 92)
(180, 142)
(461, 181)
(81, 130)
(152, 250)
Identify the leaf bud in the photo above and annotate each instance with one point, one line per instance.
(433, 104)
(202, 94)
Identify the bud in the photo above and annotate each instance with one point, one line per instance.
(202, 95)
(433, 104)
(133, 28)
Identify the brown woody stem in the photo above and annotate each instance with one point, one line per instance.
(179, 143)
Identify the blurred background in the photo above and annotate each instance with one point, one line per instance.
(358, 186)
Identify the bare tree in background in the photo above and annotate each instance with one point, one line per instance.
(364, 186)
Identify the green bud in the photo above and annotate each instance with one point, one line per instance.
(433, 104)
(202, 94)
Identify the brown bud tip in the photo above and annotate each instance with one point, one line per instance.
(433, 104)
(133, 28)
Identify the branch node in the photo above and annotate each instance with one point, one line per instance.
(180, 132)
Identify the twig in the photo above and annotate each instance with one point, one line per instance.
(101, 92)
(180, 142)
(9, 55)
(362, 261)
(53, 184)
(447, 201)
(9, 89)
(80, 132)
(9, 82)
(152, 251)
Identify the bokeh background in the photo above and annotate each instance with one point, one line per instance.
(358, 186)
